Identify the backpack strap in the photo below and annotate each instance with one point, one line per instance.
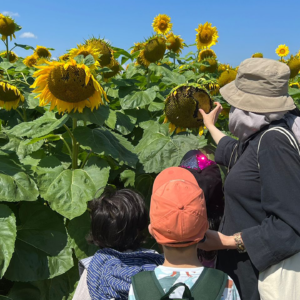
(210, 285)
(146, 286)
(288, 135)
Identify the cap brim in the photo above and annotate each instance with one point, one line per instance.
(255, 103)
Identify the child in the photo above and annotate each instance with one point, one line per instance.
(179, 222)
(119, 219)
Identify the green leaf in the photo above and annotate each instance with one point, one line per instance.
(5, 65)
(103, 141)
(294, 92)
(49, 137)
(79, 59)
(125, 122)
(78, 229)
(41, 234)
(21, 147)
(97, 116)
(158, 150)
(20, 66)
(144, 183)
(156, 106)
(26, 47)
(40, 126)
(68, 191)
(119, 51)
(139, 98)
(32, 101)
(111, 120)
(128, 178)
(169, 77)
(15, 184)
(7, 237)
(89, 60)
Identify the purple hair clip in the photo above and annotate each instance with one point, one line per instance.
(196, 160)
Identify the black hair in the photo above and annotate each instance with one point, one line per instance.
(118, 219)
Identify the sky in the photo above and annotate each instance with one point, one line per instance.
(244, 27)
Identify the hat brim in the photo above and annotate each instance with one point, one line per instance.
(255, 103)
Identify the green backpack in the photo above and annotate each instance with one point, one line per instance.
(209, 286)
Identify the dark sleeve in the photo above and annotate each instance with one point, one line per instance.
(224, 150)
(278, 237)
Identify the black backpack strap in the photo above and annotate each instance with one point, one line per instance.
(146, 286)
(210, 285)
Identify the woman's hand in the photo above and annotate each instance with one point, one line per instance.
(211, 118)
(217, 241)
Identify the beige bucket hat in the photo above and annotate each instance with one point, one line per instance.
(261, 86)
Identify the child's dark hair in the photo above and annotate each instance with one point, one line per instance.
(118, 219)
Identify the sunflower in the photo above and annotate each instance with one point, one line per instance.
(175, 43)
(42, 52)
(294, 65)
(211, 67)
(115, 69)
(211, 85)
(64, 57)
(206, 36)
(67, 86)
(10, 96)
(33, 60)
(282, 50)
(226, 77)
(257, 55)
(206, 53)
(12, 56)
(8, 27)
(161, 24)
(154, 50)
(106, 53)
(224, 67)
(295, 85)
(86, 50)
(182, 106)
(137, 47)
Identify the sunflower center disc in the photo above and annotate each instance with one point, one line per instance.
(7, 26)
(162, 25)
(7, 95)
(42, 53)
(69, 85)
(205, 36)
(155, 50)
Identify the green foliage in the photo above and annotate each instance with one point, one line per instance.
(52, 165)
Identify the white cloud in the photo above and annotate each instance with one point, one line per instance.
(28, 35)
(10, 13)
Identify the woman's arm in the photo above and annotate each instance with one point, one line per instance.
(210, 121)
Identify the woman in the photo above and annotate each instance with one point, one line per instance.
(260, 227)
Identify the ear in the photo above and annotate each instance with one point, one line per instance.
(150, 230)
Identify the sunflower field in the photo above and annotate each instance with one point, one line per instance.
(98, 115)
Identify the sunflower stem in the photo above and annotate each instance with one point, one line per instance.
(6, 44)
(85, 160)
(24, 114)
(75, 147)
(148, 79)
(174, 60)
(20, 114)
(67, 146)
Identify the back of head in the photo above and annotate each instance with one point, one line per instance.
(118, 220)
(177, 210)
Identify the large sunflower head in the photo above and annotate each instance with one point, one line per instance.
(206, 53)
(294, 65)
(282, 50)
(175, 43)
(183, 103)
(137, 47)
(161, 24)
(211, 65)
(12, 56)
(257, 55)
(154, 50)
(64, 57)
(226, 77)
(10, 96)
(42, 52)
(67, 86)
(115, 69)
(8, 27)
(206, 36)
(105, 52)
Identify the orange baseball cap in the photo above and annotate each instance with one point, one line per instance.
(177, 210)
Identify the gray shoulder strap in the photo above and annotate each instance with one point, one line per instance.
(288, 135)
